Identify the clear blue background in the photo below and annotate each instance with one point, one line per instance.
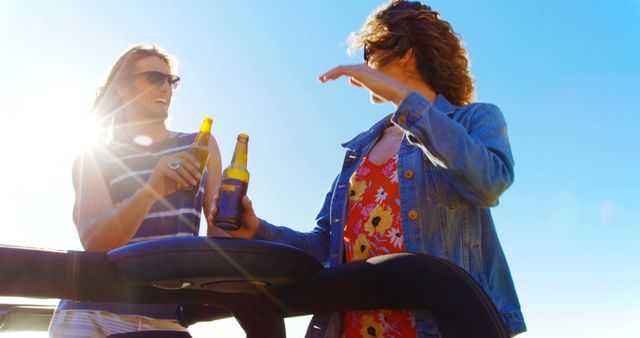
(565, 74)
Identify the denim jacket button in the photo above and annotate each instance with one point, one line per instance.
(408, 174)
(402, 119)
(413, 215)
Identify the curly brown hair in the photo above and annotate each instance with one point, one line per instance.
(441, 59)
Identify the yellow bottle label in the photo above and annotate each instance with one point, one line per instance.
(227, 188)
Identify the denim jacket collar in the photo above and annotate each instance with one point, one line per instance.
(358, 143)
(368, 137)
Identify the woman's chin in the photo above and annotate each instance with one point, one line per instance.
(375, 99)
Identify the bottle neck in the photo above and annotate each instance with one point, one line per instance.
(205, 132)
(240, 153)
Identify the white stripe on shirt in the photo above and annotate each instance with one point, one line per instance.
(129, 174)
(149, 154)
(172, 213)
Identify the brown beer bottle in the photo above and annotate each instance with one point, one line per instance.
(235, 180)
(200, 149)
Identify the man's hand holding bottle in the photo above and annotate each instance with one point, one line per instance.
(172, 172)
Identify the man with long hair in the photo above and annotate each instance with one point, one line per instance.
(127, 188)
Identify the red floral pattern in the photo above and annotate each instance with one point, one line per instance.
(374, 228)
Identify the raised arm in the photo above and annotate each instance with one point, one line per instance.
(477, 157)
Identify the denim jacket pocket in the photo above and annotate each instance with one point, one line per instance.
(441, 191)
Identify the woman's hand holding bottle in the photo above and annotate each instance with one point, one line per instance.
(249, 222)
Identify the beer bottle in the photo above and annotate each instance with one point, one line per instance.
(200, 149)
(235, 180)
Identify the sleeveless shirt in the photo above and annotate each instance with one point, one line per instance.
(125, 168)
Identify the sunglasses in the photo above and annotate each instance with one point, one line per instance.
(158, 78)
(387, 47)
(366, 54)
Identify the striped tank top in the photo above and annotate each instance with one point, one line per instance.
(125, 169)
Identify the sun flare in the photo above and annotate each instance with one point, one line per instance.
(57, 122)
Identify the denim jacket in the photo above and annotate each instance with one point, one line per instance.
(454, 163)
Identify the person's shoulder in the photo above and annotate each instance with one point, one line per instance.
(90, 159)
(480, 111)
(184, 134)
(480, 107)
(183, 137)
(92, 151)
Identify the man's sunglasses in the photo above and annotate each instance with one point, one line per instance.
(158, 78)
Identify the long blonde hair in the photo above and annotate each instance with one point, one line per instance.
(108, 105)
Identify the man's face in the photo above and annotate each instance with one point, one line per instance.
(147, 94)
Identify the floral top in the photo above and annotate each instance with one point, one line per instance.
(374, 228)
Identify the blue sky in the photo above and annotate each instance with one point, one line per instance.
(565, 74)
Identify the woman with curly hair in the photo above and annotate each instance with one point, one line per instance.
(421, 180)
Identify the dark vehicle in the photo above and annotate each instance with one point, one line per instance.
(259, 283)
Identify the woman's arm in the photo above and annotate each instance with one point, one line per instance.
(103, 226)
(315, 243)
(477, 158)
